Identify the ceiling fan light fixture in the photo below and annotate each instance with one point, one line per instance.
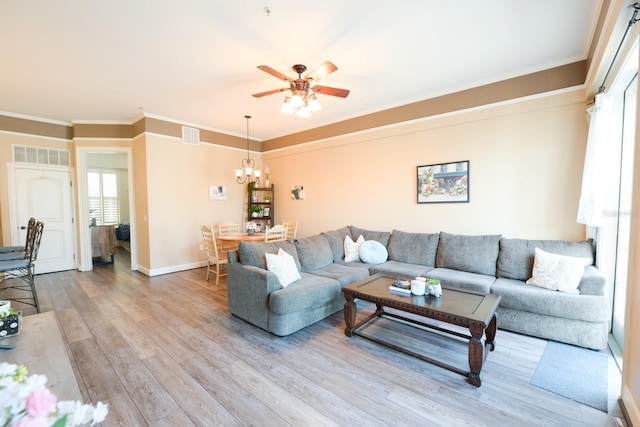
(303, 112)
(286, 107)
(314, 104)
(296, 101)
(302, 99)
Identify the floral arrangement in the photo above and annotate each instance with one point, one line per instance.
(26, 402)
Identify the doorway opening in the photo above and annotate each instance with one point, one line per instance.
(106, 199)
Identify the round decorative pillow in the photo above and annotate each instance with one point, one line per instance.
(373, 252)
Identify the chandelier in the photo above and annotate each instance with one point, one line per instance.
(248, 171)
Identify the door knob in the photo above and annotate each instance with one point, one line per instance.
(24, 227)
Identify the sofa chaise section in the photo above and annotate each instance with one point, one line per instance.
(575, 318)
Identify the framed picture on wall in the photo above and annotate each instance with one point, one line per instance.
(217, 192)
(443, 182)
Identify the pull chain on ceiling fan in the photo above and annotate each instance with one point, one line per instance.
(302, 99)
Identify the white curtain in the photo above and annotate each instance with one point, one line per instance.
(597, 198)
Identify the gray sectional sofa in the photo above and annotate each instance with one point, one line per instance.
(488, 263)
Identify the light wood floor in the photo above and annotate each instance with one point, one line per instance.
(164, 351)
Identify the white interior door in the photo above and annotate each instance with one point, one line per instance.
(45, 194)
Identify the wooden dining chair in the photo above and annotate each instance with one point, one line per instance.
(216, 257)
(292, 228)
(277, 232)
(228, 227)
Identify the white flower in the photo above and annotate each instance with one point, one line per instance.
(16, 387)
(100, 413)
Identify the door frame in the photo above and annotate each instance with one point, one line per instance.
(14, 221)
(86, 262)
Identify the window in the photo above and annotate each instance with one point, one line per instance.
(102, 189)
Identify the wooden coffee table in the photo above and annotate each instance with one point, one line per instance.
(471, 309)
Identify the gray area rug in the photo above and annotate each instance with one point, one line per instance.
(575, 373)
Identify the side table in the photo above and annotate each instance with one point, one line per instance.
(40, 348)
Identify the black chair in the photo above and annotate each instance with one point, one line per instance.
(23, 269)
(17, 252)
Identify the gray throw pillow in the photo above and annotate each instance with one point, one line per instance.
(474, 254)
(517, 255)
(313, 252)
(253, 253)
(380, 236)
(413, 248)
(336, 241)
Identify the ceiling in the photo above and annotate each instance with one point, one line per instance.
(195, 61)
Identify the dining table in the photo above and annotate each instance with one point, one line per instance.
(231, 241)
(237, 237)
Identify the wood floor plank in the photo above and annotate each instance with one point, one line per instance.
(150, 396)
(201, 407)
(245, 407)
(276, 397)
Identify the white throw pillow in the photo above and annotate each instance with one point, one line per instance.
(283, 266)
(373, 252)
(352, 249)
(557, 272)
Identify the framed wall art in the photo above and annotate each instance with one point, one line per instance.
(217, 192)
(443, 182)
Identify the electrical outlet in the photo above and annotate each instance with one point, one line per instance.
(201, 247)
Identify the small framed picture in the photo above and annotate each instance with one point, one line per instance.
(217, 192)
(266, 211)
(444, 182)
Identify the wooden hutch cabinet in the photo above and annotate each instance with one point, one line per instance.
(261, 206)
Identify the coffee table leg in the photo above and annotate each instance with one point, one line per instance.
(491, 334)
(476, 355)
(349, 314)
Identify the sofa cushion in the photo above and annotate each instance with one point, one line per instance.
(283, 266)
(380, 236)
(313, 252)
(474, 254)
(342, 273)
(557, 272)
(400, 269)
(253, 253)
(517, 295)
(516, 255)
(372, 252)
(463, 279)
(311, 291)
(352, 249)
(413, 248)
(336, 241)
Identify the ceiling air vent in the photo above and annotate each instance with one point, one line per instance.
(190, 135)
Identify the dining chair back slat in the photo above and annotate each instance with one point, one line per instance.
(216, 257)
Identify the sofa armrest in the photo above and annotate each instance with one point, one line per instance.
(248, 290)
(592, 282)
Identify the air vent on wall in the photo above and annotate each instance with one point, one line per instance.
(40, 155)
(190, 135)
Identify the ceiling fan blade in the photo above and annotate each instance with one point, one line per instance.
(325, 90)
(323, 70)
(269, 92)
(275, 73)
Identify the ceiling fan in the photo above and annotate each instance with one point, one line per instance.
(303, 90)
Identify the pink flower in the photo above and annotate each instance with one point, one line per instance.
(40, 403)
